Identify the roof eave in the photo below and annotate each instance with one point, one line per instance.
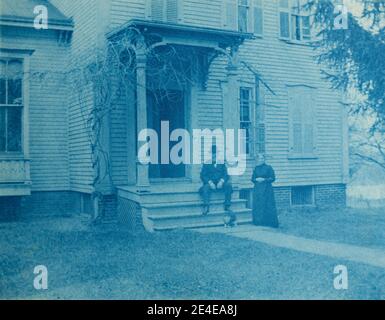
(179, 27)
(65, 25)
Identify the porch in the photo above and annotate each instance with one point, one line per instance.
(172, 65)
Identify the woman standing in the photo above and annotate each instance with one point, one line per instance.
(264, 208)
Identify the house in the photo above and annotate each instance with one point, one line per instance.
(109, 69)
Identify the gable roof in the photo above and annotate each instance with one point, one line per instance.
(20, 12)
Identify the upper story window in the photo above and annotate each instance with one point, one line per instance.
(243, 15)
(11, 105)
(294, 21)
(164, 10)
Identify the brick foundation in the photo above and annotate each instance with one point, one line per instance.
(332, 195)
(282, 197)
(326, 196)
(109, 203)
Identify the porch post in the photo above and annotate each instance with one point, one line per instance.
(142, 171)
(232, 112)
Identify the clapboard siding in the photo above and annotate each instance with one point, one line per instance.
(85, 14)
(281, 64)
(48, 116)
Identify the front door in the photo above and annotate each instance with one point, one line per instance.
(166, 105)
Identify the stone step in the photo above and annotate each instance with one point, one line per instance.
(173, 209)
(198, 221)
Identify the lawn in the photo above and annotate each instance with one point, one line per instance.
(106, 262)
(363, 227)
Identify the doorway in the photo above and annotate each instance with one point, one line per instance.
(166, 105)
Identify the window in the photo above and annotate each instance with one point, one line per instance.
(302, 122)
(243, 15)
(252, 118)
(164, 10)
(294, 22)
(246, 115)
(11, 105)
(302, 196)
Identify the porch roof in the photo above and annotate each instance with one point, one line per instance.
(21, 13)
(191, 35)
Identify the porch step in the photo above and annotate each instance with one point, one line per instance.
(179, 206)
(197, 220)
(187, 208)
(170, 194)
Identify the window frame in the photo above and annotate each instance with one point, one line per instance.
(293, 11)
(24, 57)
(251, 102)
(248, 8)
(250, 16)
(313, 200)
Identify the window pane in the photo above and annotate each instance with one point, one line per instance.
(306, 28)
(302, 196)
(2, 91)
(2, 129)
(15, 75)
(14, 91)
(284, 25)
(14, 129)
(242, 23)
(15, 69)
(245, 105)
(2, 81)
(296, 29)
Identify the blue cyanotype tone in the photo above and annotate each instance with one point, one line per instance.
(192, 149)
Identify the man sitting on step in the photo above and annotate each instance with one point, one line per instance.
(215, 177)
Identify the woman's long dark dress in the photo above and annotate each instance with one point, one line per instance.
(264, 207)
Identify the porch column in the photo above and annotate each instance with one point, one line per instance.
(232, 113)
(142, 171)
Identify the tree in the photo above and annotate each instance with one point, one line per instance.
(354, 61)
(355, 56)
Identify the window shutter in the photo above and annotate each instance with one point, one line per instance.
(308, 113)
(284, 19)
(172, 10)
(295, 122)
(164, 10)
(230, 14)
(302, 121)
(257, 17)
(157, 10)
(297, 130)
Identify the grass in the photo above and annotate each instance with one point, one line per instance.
(106, 262)
(363, 227)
